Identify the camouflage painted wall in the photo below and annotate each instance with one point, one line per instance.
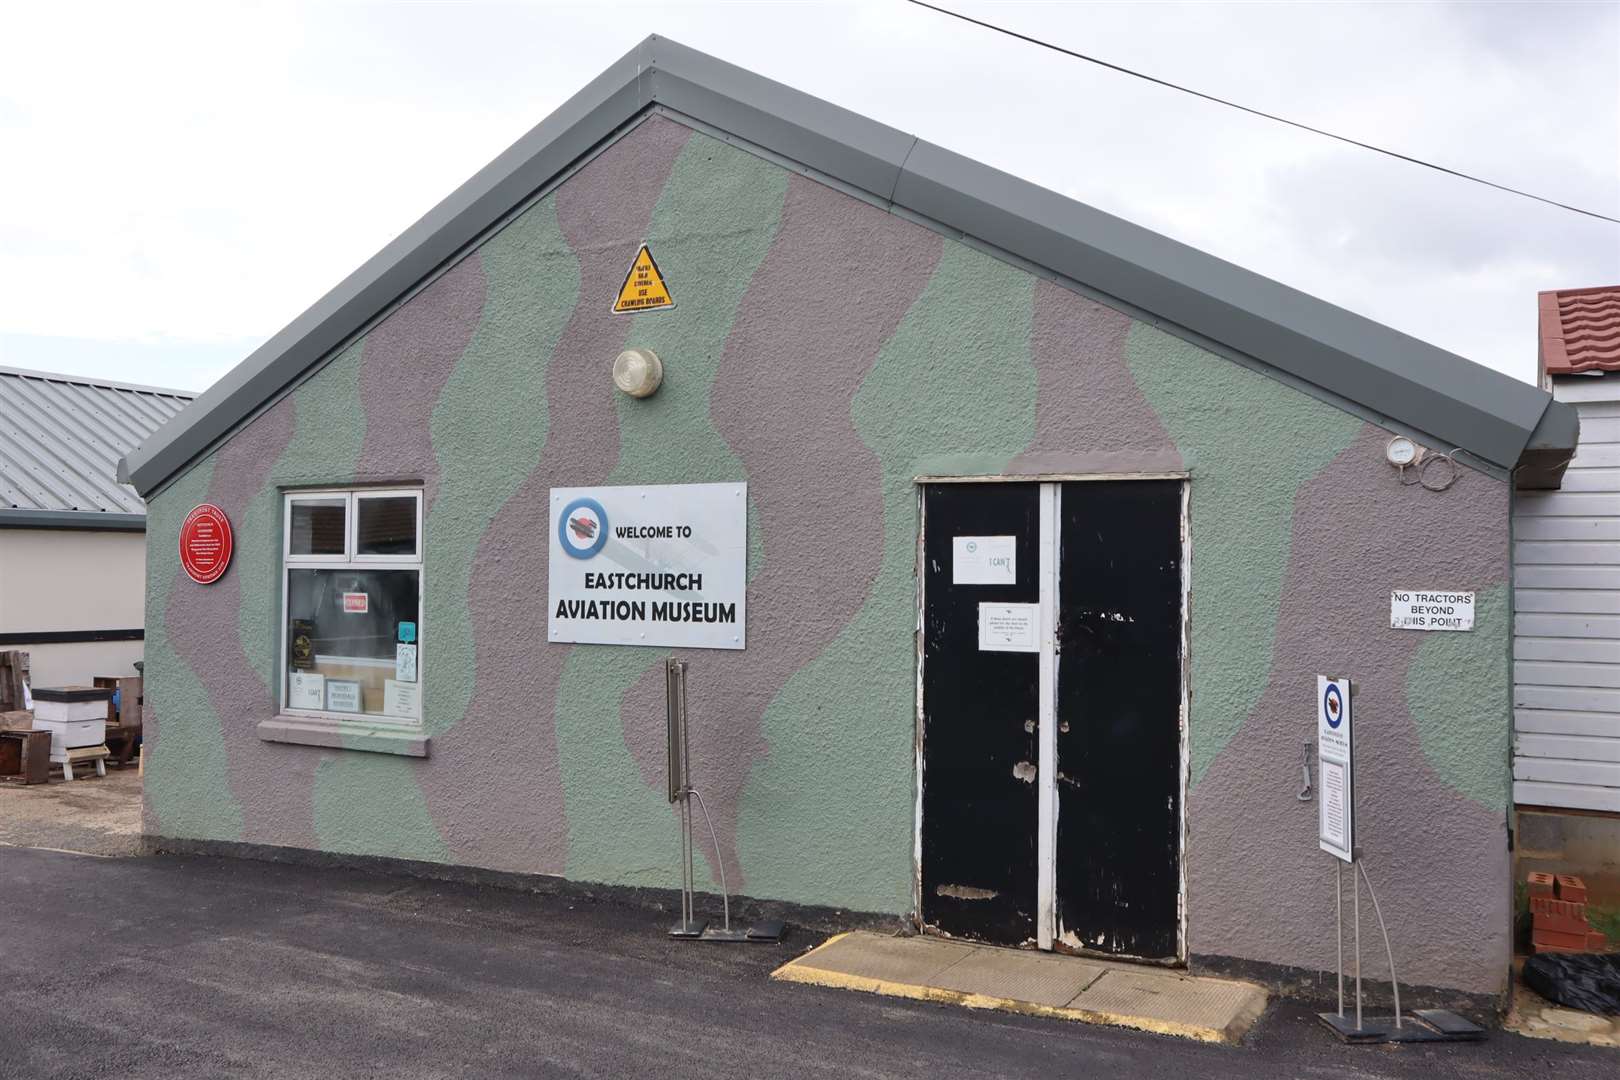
(829, 353)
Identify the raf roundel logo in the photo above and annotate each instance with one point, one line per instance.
(1333, 706)
(582, 528)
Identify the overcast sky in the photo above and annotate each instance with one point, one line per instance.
(177, 183)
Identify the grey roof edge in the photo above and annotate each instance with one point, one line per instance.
(90, 380)
(19, 518)
(1387, 373)
(1550, 448)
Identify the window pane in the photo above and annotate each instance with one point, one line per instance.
(387, 525)
(317, 526)
(343, 638)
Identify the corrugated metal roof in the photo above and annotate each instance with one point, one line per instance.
(61, 438)
(1580, 330)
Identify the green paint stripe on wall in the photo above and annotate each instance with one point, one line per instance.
(1457, 703)
(488, 429)
(1249, 442)
(329, 426)
(827, 815)
(327, 396)
(370, 804)
(710, 231)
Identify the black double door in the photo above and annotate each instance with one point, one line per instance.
(1081, 852)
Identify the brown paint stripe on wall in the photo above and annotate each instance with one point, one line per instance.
(786, 382)
(1090, 416)
(202, 624)
(1349, 521)
(406, 362)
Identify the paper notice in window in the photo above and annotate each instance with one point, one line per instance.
(306, 690)
(1009, 628)
(342, 695)
(405, 663)
(399, 698)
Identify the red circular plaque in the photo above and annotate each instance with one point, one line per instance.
(205, 544)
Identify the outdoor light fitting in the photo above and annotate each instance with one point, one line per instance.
(638, 372)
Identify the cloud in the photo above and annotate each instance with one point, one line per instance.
(195, 176)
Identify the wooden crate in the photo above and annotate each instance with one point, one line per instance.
(25, 756)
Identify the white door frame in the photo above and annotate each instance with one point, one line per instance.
(1046, 724)
(1050, 549)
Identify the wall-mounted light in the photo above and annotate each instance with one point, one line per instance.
(638, 372)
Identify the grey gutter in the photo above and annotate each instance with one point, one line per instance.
(20, 518)
(1387, 373)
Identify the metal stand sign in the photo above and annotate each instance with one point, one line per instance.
(1336, 806)
(679, 787)
(1336, 817)
(682, 792)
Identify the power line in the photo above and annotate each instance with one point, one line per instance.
(1257, 112)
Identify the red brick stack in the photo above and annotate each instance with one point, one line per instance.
(1558, 915)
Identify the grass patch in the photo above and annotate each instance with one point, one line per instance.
(1605, 919)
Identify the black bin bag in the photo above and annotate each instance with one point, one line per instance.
(1586, 981)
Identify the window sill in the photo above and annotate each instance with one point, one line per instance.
(344, 735)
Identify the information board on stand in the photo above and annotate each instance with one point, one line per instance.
(1336, 805)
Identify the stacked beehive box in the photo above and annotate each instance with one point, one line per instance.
(76, 717)
(1558, 915)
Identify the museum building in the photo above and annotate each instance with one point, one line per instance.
(1006, 543)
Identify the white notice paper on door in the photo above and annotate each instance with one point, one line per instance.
(1009, 627)
(984, 560)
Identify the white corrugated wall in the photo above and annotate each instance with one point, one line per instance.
(1566, 645)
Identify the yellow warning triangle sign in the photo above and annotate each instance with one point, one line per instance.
(644, 288)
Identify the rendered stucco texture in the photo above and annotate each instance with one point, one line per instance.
(1440, 856)
(828, 354)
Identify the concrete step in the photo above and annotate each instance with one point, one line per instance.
(1042, 984)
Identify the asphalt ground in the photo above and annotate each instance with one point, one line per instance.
(172, 967)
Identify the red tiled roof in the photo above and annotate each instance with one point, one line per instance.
(1580, 330)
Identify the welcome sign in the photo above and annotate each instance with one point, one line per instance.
(661, 565)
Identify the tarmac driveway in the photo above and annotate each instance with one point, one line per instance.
(171, 967)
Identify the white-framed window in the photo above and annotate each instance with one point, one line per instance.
(351, 601)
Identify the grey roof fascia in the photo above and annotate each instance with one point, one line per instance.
(1558, 429)
(549, 148)
(18, 518)
(1549, 451)
(1382, 372)
(853, 149)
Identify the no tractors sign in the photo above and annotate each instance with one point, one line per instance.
(205, 544)
(1421, 609)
